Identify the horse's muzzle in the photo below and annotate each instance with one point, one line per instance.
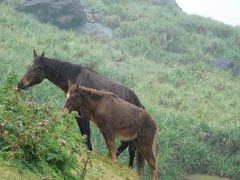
(20, 85)
(65, 110)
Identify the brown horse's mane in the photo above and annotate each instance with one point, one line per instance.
(95, 94)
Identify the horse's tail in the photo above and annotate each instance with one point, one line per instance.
(136, 100)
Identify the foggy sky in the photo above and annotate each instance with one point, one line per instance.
(227, 11)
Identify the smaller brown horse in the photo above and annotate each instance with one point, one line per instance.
(116, 118)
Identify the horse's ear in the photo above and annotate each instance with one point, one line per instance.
(42, 55)
(70, 83)
(34, 53)
(78, 83)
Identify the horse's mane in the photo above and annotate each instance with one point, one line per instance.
(56, 61)
(65, 67)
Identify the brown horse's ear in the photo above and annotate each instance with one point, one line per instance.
(42, 55)
(70, 83)
(77, 82)
(34, 53)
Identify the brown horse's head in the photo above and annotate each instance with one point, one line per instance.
(72, 98)
(34, 74)
(72, 89)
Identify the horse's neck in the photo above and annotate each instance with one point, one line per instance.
(54, 72)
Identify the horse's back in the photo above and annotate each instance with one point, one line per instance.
(94, 80)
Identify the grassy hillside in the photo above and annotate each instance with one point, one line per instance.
(166, 57)
(12, 173)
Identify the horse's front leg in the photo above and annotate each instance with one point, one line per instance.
(109, 138)
(84, 127)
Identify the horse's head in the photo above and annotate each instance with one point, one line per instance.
(34, 74)
(72, 89)
(71, 98)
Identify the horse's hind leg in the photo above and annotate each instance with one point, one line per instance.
(122, 147)
(132, 152)
(149, 155)
(140, 163)
(147, 146)
(84, 126)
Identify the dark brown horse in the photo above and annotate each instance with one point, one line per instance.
(58, 72)
(117, 118)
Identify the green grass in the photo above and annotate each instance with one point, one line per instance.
(13, 174)
(195, 105)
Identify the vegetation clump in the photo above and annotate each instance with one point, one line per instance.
(32, 134)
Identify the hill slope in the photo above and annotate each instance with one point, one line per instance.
(103, 170)
(167, 57)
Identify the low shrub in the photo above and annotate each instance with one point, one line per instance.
(32, 133)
